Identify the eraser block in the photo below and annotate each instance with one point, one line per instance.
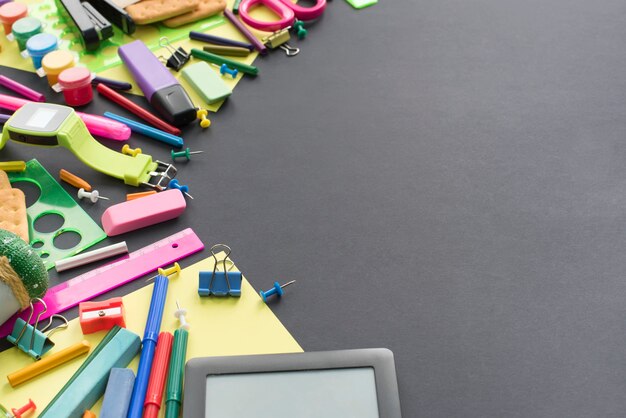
(139, 213)
(206, 82)
(118, 393)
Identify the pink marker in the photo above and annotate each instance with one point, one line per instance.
(97, 125)
(21, 89)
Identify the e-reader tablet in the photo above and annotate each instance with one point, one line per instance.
(327, 384)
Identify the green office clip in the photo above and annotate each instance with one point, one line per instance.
(31, 340)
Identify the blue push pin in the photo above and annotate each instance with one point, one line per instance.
(175, 185)
(276, 290)
(224, 69)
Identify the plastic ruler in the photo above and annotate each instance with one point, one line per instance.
(110, 276)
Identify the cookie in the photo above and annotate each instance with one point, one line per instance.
(4, 181)
(13, 212)
(150, 11)
(205, 9)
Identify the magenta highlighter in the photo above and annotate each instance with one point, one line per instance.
(156, 82)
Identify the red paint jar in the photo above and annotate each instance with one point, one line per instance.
(76, 85)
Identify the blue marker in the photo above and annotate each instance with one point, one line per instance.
(140, 128)
(150, 336)
(276, 290)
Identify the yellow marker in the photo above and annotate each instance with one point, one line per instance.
(133, 196)
(170, 271)
(16, 166)
(48, 363)
(130, 151)
(74, 180)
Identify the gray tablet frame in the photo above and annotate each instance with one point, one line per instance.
(380, 359)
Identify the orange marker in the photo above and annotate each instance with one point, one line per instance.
(133, 196)
(89, 414)
(74, 180)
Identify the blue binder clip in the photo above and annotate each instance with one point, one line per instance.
(31, 340)
(220, 283)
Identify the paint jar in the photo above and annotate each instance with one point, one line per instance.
(38, 46)
(10, 12)
(76, 86)
(24, 29)
(54, 63)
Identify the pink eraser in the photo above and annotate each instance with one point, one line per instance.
(139, 213)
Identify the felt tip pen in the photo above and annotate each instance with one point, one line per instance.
(217, 40)
(4, 118)
(132, 107)
(97, 125)
(160, 366)
(114, 84)
(174, 391)
(148, 131)
(245, 31)
(151, 334)
(217, 59)
(21, 89)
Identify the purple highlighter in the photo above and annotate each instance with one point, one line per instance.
(159, 86)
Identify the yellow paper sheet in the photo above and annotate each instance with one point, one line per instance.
(219, 326)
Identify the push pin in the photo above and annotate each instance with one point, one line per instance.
(94, 195)
(180, 315)
(183, 188)
(18, 413)
(202, 115)
(186, 153)
(130, 151)
(276, 290)
(224, 69)
(301, 32)
(175, 269)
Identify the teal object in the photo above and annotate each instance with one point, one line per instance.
(34, 345)
(55, 200)
(298, 26)
(219, 60)
(361, 4)
(219, 283)
(24, 29)
(88, 384)
(276, 290)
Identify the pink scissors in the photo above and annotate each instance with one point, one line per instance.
(287, 11)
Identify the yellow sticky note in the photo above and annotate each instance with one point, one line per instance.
(219, 327)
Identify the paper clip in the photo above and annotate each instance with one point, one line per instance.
(279, 39)
(178, 58)
(220, 283)
(38, 342)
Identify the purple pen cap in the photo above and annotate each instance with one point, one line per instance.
(156, 82)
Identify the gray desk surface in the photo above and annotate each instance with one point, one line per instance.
(443, 178)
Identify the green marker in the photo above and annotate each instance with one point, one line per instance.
(216, 59)
(174, 391)
(236, 7)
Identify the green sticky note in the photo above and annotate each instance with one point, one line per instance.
(206, 82)
(360, 4)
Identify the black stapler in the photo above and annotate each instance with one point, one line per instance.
(86, 21)
(115, 14)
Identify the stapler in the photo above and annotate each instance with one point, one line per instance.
(115, 14)
(86, 21)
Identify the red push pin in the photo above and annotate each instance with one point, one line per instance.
(30, 406)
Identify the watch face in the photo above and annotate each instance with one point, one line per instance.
(40, 118)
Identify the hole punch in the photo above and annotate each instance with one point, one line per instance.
(31, 340)
(220, 283)
(178, 58)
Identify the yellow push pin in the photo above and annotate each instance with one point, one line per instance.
(202, 115)
(170, 271)
(130, 151)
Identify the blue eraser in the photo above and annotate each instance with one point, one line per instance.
(117, 395)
